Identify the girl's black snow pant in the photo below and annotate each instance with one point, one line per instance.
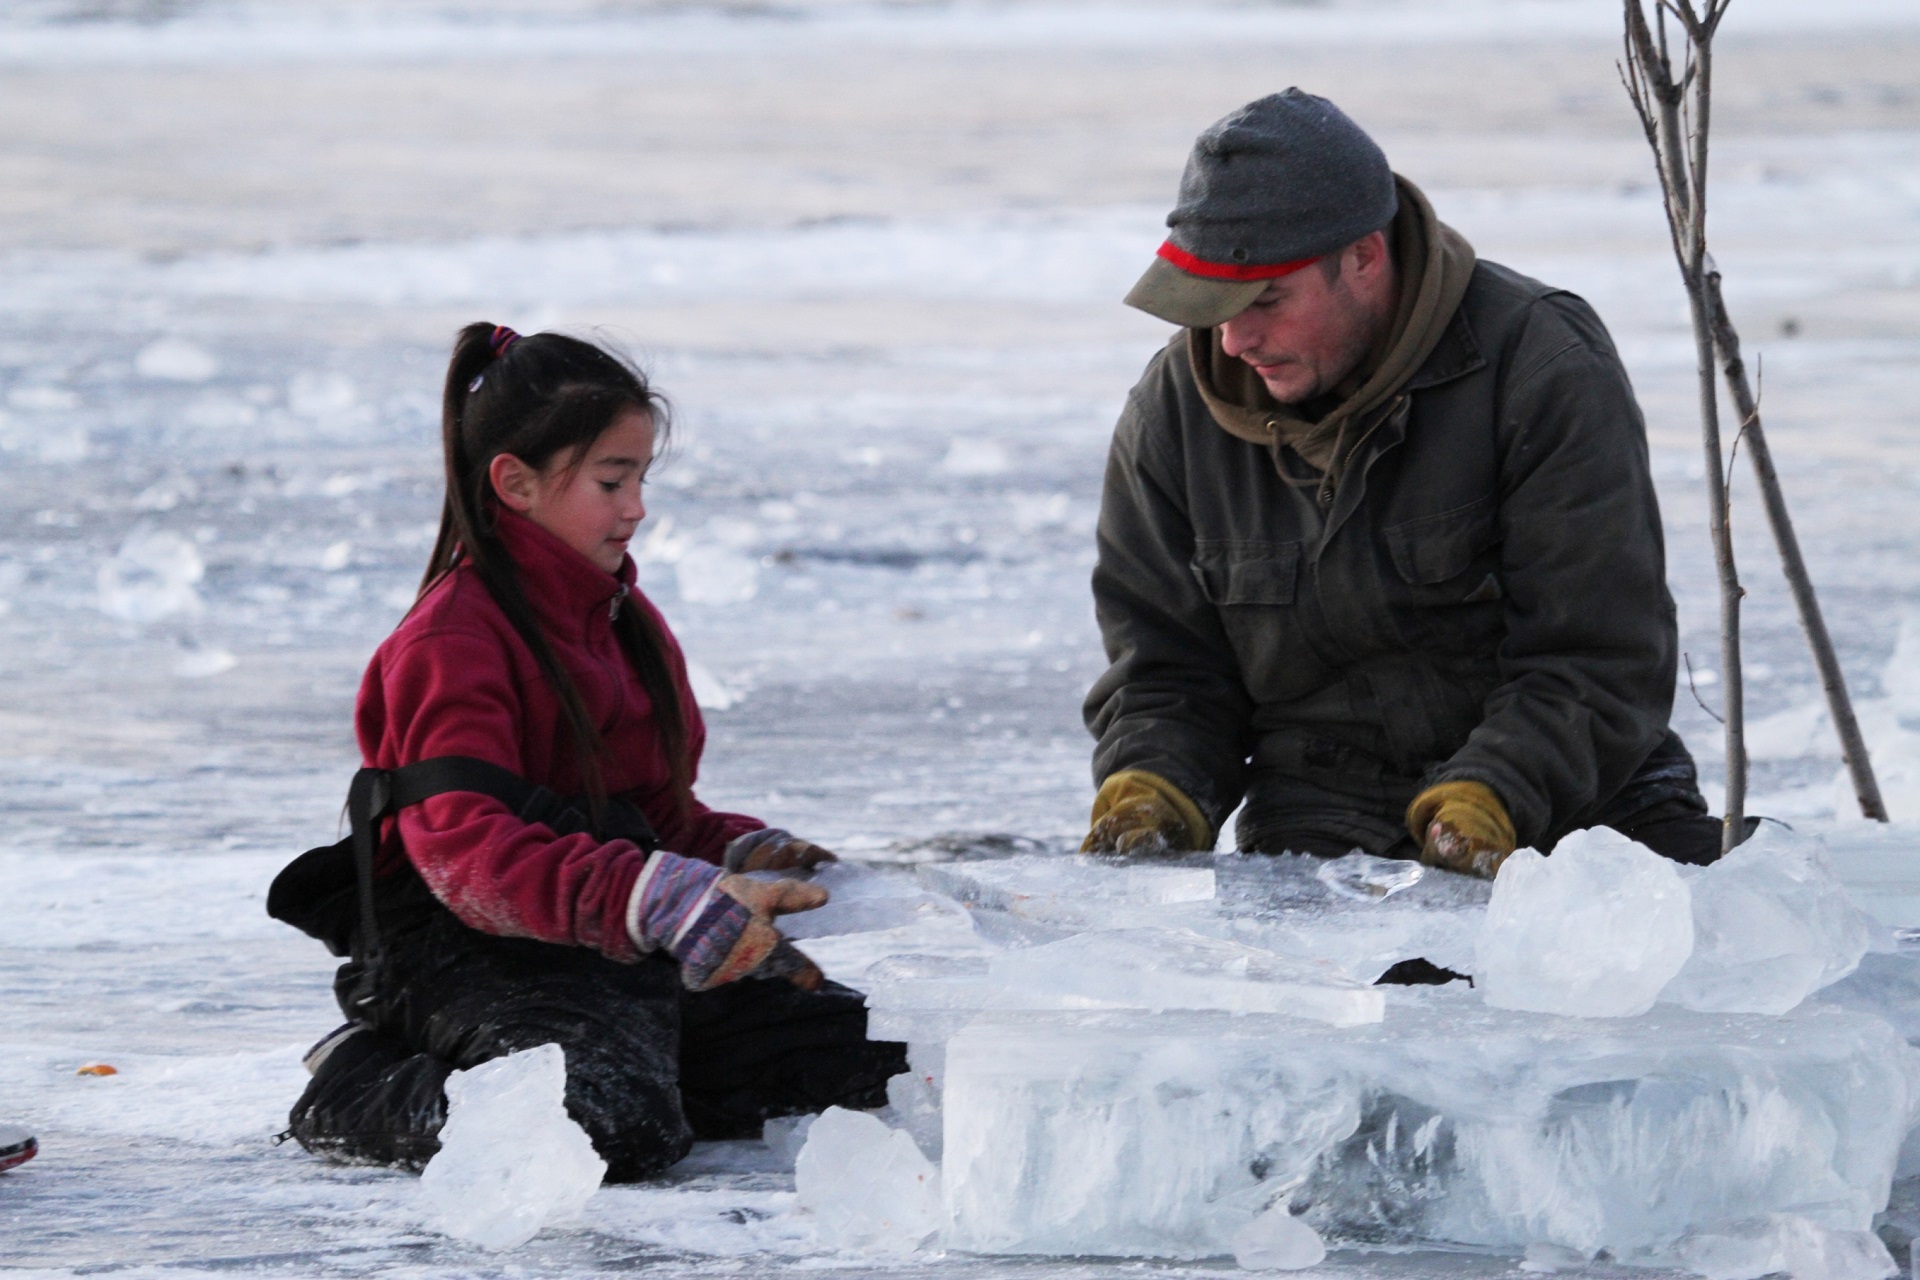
(650, 1065)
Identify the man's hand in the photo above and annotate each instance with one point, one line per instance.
(1141, 812)
(1461, 826)
(772, 849)
(760, 945)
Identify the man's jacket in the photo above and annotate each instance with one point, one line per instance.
(1482, 595)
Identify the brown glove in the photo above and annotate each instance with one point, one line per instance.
(1141, 812)
(760, 946)
(772, 849)
(1461, 826)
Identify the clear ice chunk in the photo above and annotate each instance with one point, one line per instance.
(1278, 1241)
(867, 900)
(1787, 1244)
(1168, 969)
(784, 1136)
(511, 1160)
(868, 1187)
(1595, 931)
(1367, 878)
(1771, 927)
(913, 1097)
(1164, 1134)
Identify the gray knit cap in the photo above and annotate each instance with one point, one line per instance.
(1278, 183)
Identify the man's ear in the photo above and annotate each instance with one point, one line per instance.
(514, 482)
(1370, 253)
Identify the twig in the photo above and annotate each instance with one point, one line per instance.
(1760, 390)
(1695, 691)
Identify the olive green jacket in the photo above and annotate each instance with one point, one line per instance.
(1482, 596)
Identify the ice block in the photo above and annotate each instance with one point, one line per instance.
(1163, 1135)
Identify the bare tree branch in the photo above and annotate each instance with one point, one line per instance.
(1676, 115)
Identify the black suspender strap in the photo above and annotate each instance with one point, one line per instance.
(380, 793)
(368, 799)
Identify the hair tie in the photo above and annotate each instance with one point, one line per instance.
(503, 338)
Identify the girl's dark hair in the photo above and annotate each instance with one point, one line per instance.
(541, 397)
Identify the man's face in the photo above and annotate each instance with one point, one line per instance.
(1306, 332)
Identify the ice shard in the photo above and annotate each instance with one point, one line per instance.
(1771, 926)
(1596, 930)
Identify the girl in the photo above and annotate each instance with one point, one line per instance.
(530, 661)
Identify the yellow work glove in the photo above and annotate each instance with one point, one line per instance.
(1461, 826)
(1141, 812)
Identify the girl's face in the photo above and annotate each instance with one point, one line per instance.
(594, 506)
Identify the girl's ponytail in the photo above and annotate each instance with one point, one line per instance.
(472, 353)
(537, 398)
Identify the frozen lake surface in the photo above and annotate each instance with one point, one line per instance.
(873, 253)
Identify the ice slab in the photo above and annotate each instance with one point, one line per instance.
(868, 1186)
(1076, 891)
(1363, 914)
(1771, 926)
(1787, 1244)
(1166, 1134)
(1594, 931)
(511, 1160)
(1886, 986)
(875, 914)
(1879, 863)
(1359, 913)
(1170, 969)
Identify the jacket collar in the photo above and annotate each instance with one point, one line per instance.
(566, 589)
(1455, 355)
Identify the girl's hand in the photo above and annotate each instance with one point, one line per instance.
(719, 926)
(761, 949)
(772, 849)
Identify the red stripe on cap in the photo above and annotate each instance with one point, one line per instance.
(1227, 271)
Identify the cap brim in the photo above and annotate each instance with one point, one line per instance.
(1196, 302)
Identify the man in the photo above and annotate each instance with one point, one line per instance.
(1378, 550)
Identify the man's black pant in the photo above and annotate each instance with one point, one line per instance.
(650, 1065)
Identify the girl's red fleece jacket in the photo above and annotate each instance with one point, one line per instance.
(455, 679)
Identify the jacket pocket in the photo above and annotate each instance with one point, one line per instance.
(1435, 548)
(1246, 572)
